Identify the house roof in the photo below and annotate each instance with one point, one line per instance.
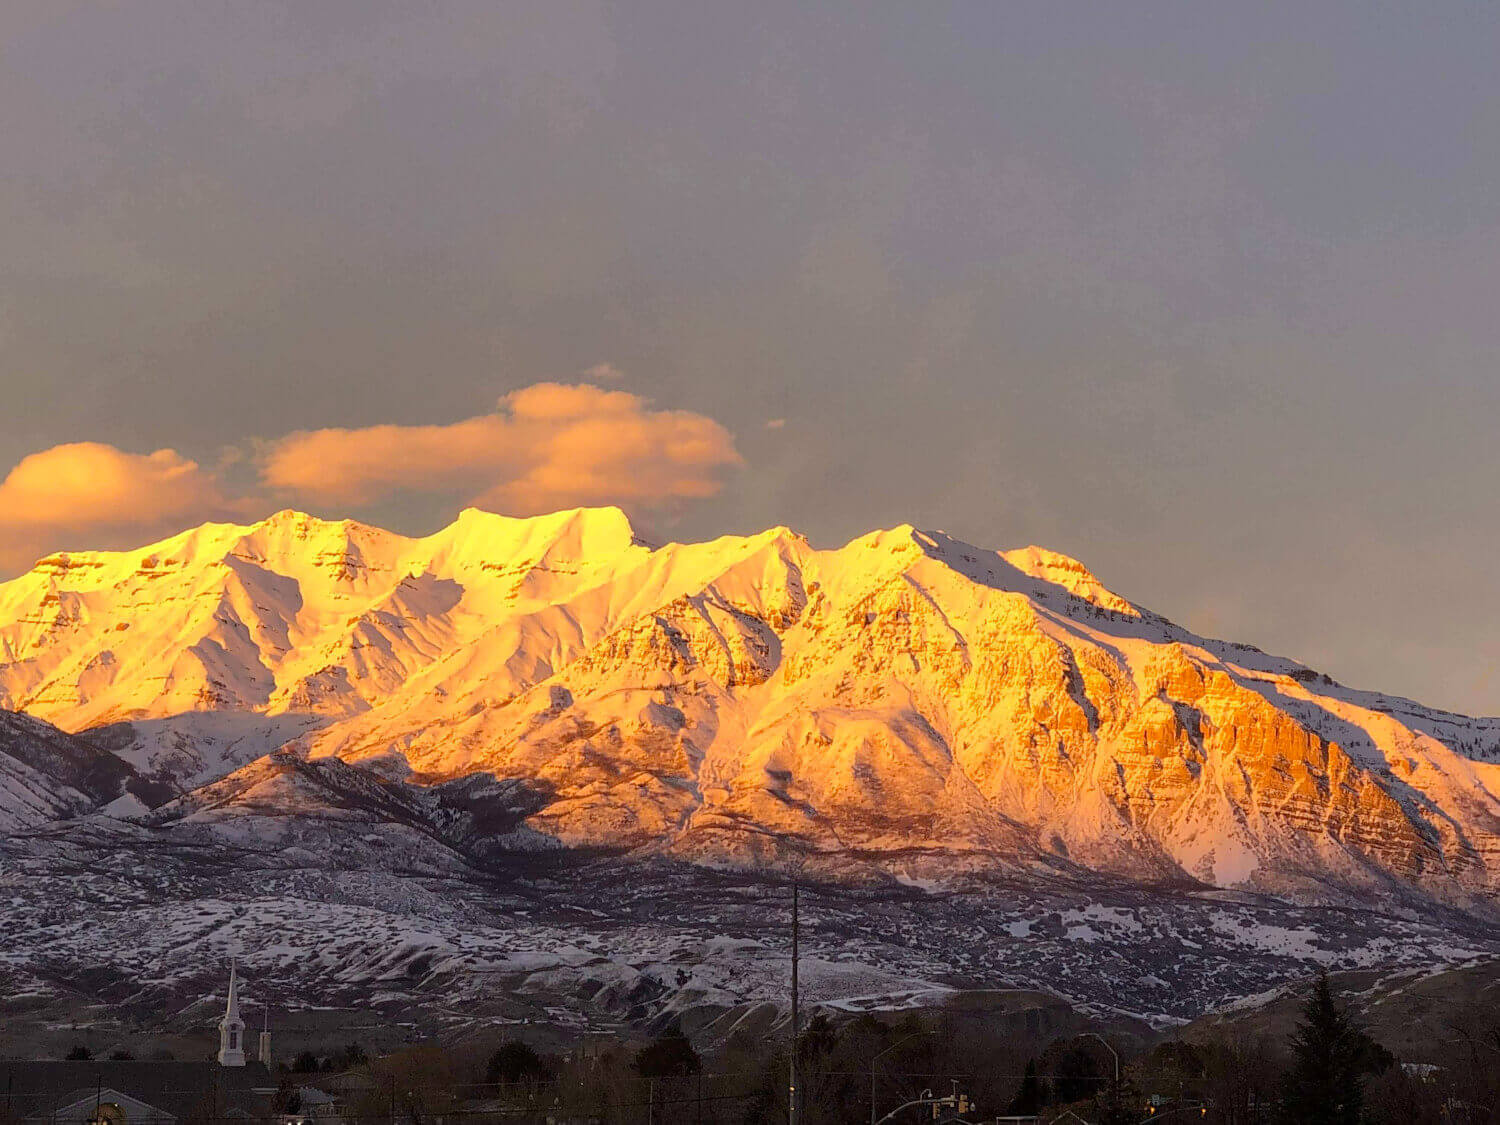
(32, 1089)
(83, 1101)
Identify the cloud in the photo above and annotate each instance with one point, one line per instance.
(550, 445)
(604, 371)
(547, 446)
(89, 486)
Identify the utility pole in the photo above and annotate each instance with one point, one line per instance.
(792, 1114)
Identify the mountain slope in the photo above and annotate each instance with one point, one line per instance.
(46, 775)
(907, 701)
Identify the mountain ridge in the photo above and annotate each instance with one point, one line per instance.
(752, 699)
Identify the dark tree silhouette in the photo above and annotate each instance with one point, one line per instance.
(1077, 1075)
(1031, 1096)
(818, 1040)
(288, 1098)
(1330, 1057)
(514, 1061)
(668, 1056)
(1119, 1103)
(79, 1053)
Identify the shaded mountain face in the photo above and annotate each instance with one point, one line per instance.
(47, 775)
(907, 704)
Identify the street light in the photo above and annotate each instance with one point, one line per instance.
(881, 1055)
(951, 1101)
(1152, 1117)
(1107, 1047)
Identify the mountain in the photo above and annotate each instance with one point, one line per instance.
(905, 699)
(544, 753)
(46, 775)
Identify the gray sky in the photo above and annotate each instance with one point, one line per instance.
(1203, 294)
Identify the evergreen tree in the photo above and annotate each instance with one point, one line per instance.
(1324, 1085)
(1030, 1097)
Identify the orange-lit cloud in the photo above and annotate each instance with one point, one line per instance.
(96, 488)
(547, 446)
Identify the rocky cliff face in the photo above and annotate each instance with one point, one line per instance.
(907, 701)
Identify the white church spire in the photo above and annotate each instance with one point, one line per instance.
(232, 1027)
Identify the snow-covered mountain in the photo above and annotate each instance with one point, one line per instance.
(46, 775)
(906, 703)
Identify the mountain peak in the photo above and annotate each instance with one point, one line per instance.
(604, 516)
(298, 523)
(1065, 571)
(289, 516)
(570, 533)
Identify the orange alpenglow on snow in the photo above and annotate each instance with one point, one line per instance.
(906, 693)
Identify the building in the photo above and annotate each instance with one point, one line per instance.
(144, 1092)
(232, 1027)
(133, 1093)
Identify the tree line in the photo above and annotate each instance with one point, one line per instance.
(1327, 1071)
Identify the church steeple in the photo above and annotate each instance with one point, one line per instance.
(232, 1027)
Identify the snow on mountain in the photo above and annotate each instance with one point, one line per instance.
(46, 775)
(907, 700)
